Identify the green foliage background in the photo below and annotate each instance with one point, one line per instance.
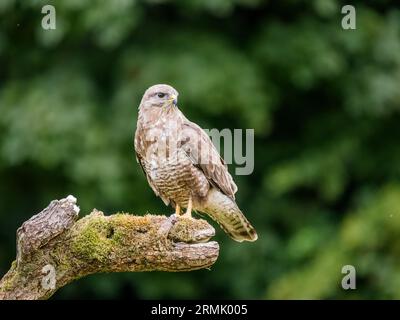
(324, 103)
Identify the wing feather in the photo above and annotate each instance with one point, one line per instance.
(200, 149)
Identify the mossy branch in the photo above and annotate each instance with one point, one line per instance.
(54, 248)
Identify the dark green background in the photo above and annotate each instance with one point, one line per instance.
(324, 103)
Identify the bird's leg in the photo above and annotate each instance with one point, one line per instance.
(188, 213)
(177, 210)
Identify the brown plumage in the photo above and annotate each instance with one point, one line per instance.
(182, 165)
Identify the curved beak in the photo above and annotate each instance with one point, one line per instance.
(173, 99)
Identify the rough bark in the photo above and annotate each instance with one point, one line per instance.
(54, 248)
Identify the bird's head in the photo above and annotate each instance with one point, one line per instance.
(160, 96)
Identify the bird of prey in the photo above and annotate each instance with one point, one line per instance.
(183, 166)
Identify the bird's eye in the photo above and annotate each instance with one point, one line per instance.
(161, 95)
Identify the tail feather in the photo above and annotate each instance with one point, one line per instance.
(227, 214)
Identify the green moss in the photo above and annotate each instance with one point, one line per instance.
(92, 241)
(191, 230)
(98, 237)
(9, 279)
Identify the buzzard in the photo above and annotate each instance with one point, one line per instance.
(182, 165)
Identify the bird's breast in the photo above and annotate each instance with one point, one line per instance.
(167, 164)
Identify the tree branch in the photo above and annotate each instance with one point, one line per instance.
(54, 248)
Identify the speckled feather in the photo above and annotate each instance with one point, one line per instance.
(180, 161)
